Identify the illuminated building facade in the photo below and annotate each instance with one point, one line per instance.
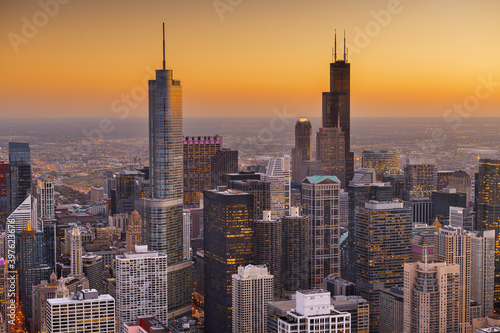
(198, 152)
(384, 162)
(228, 244)
(420, 177)
(383, 245)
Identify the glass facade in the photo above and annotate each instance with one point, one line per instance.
(384, 162)
(19, 174)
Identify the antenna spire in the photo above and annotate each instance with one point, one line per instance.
(335, 45)
(344, 48)
(163, 46)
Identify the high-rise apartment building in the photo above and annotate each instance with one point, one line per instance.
(383, 245)
(302, 150)
(278, 175)
(252, 291)
(19, 183)
(483, 271)
(268, 248)
(141, 285)
(198, 152)
(228, 244)
(76, 252)
(45, 200)
(431, 297)
(295, 250)
(320, 198)
(88, 312)
(453, 246)
(391, 310)
(163, 218)
(420, 177)
(224, 161)
(134, 231)
(488, 209)
(384, 162)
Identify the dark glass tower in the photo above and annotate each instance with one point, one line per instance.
(224, 161)
(163, 211)
(337, 115)
(488, 209)
(302, 150)
(228, 244)
(19, 174)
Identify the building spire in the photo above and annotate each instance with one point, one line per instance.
(163, 46)
(335, 45)
(344, 48)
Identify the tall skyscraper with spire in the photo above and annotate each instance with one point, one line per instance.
(334, 138)
(163, 211)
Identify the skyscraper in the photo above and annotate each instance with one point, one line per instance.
(337, 115)
(383, 245)
(483, 270)
(278, 175)
(198, 152)
(302, 150)
(141, 285)
(163, 211)
(384, 162)
(76, 252)
(420, 177)
(45, 200)
(134, 231)
(252, 291)
(228, 243)
(261, 191)
(224, 161)
(19, 174)
(93, 268)
(488, 209)
(320, 195)
(431, 297)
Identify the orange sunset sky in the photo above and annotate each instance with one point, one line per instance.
(240, 58)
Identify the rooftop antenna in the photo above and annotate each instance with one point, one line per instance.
(347, 54)
(344, 48)
(163, 46)
(335, 45)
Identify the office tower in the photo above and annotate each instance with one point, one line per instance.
(420, 176)
(488, 209)
(93, 268)
(383, 245)
(363, 176)
(431, 292)
(128, 189)
(483, 270)
(397, 183)
(339, 287)
(141, 285)
(302, 150)
(422, 245)
(224, 161)
(252, 291)
(134, 231)
(462, 182)
(4, 173)
(76, 252)
(391, 310)
(358, 195)
(228, 244)
(443, 178)
(461, 217)
(320, 195)
(312, 308)
(198, 152)
(384, 162)
(163, 218)
(19, 174)
(96, 193)
(86, 313)
(443, 200)
(186, 233)
(359, 309)
(22, 213)
(278, 175)
(261, 191)
(453, 245)
(49, 240)
(45, 200)
(331, 152)
(41, 293)
(344, 209)
(295, 249)
(268, 247)
(421, 209)
(119, 221)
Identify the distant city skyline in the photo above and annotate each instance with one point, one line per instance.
(412, 58)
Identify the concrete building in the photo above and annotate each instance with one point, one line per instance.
(45, 200)
(41, 293)
(134, 231)
(483, 271)
(89, 312)
(76, 252)
(358, 307)
(141, 285)
(93, 268)
(431, 297)
(391, 310)
(461, 217)
(252, 291)
(278, 175)
(96, 193)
